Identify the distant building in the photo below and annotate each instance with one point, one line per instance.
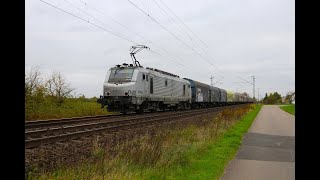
(283, 99)
(289, 98)
(293, 98)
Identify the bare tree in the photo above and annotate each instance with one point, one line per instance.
(288, 97)
(58, 87)
(32, 81)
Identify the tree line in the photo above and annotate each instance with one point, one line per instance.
(54, 87)
(50, 97)
(275, 98)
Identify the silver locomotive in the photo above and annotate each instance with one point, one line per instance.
(134, 88)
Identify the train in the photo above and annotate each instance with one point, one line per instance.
(133, 88)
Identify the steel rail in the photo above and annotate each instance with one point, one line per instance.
(29, 143)
(46, 131)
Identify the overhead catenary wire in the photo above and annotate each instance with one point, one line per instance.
(88, 14)
(184, 24)
(128, 29)
(209, 57)
(167, 58)
(109, 31)
(89, 22)
(185, 32)
(118, 35)
(199, 40)
(125, 27)
(179, 38)
(174, 22)
(170, 32)
(123, 37)
(164, 57)
(172, 19)
(177, 28)
(158, 23)
(192, 33)
(246, 81)
(112, 19)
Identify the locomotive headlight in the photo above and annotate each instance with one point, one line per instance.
(127, 93)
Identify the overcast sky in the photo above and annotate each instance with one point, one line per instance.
(238, 38)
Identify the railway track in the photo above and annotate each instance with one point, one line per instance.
(51, 131)
(90, 123)
(50, 123)
(64, 121)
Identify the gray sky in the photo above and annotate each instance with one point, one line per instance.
(243, 38)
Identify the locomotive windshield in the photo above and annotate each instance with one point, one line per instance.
(121, 75)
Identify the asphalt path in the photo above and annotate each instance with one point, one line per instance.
(268, 149)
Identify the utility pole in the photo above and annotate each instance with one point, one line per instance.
(217, 82)
(258, 95)
(253, 79)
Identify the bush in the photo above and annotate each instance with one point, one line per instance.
(52, 99)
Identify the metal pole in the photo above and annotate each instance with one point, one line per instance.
(253, 87)
(254, 81)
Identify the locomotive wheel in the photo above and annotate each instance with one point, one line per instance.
(139, 111)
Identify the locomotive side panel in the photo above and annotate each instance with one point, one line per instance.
(169, 89)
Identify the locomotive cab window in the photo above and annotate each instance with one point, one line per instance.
(143, 77)
(165, 83)
(121, 75)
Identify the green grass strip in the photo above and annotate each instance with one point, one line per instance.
(290, 109)
(211, 164)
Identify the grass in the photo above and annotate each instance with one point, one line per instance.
(212, 163)
(46, 108)
(290, 109)
(195, 151)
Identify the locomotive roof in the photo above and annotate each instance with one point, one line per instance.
(125, 65)
(204, 85)
(162, 72)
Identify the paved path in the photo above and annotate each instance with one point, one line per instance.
(268, 149)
